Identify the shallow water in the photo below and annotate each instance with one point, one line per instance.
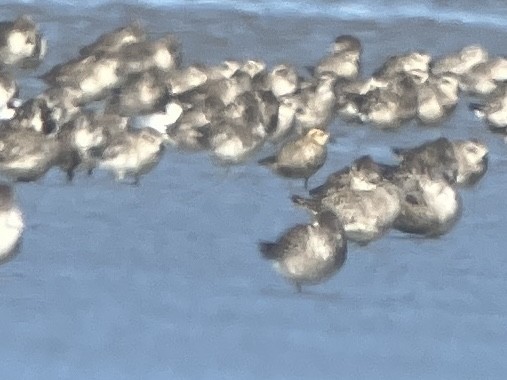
(165, 281)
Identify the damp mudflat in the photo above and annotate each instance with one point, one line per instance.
(164, 280)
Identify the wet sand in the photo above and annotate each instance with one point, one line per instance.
(165, 280)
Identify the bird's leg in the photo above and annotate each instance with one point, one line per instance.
(298, 287)
(306, 183)
(70, 175)
(120, 176)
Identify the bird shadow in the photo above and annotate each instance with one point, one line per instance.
(304, 294)
(8, 277)
(415, 237)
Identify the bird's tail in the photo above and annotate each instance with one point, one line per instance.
(399, 152)
(308, 203)
(268, 161)
(268, 250)
(315, 191)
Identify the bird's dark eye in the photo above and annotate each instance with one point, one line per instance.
(149, 138)
(472, 149)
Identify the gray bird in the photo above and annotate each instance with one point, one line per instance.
(412, 64)
(366, 209)
(437, 97)
(236, 130)
(81, 141)
(90, 77)
(463, 162)
(21, 43)
(34, 114)
(285, 118)
(472, 157)
(391, 106)
(429, 207)
(142, 93)
(435, 158)
(163, 54)
(363, 168)
(233, 141)
(308, 254)
(352, 96)
(115, 40)
(132, 153)
(187, 79)
(283, 80)
(344, 59)
(485, 77)
(26, 155)
(460, 62)
(317, 103)
(254, 67)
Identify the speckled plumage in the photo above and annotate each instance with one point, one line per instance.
(429, 207)
(366, 210)
(300, 158)
(309, 253)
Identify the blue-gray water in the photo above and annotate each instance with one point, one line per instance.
(164, 281)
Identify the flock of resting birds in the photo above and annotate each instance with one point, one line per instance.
(125, 98)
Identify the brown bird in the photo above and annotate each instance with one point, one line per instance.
(300, 158)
